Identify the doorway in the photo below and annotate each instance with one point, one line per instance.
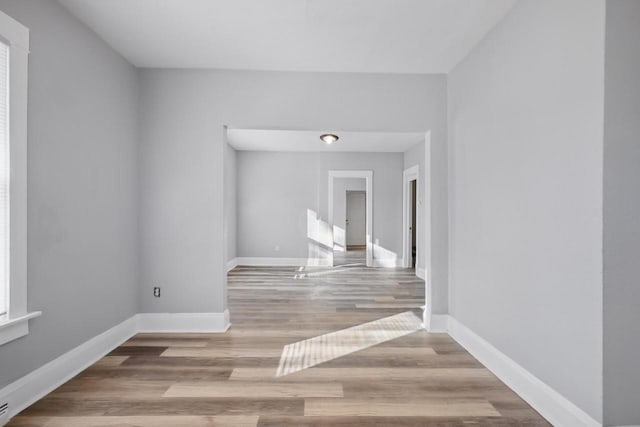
(356, 220)
(414, 213)
(411, 210)
(358, 181)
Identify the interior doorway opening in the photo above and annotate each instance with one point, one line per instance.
(411, 211)
(350, 217)
(414, 214)
(356, 220)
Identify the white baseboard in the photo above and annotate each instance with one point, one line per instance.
(30, 388)
(302, 262)
(437, 323)
(27, 390)
(557, 409)
(184, 322)
(231, 264)
(282, 262)
(421, 273)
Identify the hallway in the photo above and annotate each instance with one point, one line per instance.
(357, 356)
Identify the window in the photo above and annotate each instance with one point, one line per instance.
(4, 178)
(14, 50)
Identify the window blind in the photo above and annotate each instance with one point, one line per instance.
(4, 178)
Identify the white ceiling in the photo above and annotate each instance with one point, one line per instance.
(381, 36)
(308, 140)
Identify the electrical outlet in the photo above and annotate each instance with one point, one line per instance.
(156, 292)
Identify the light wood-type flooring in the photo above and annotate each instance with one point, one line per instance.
(307, 346)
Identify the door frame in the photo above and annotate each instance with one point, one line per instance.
(410, 174)
(368, 176)
(431, 322)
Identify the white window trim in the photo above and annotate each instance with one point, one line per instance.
(16, 323)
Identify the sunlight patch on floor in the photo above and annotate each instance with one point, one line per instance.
(314, 351)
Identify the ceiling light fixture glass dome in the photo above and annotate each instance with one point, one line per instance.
(329, 138)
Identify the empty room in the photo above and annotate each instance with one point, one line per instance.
(319, 213)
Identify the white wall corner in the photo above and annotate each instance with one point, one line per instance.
(30, 388)
(421, 273)
(557, 409)
(436, 323)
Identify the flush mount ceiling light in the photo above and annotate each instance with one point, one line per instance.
(329, 138)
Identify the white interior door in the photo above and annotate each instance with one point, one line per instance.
(356, 218)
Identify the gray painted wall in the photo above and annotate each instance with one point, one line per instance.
(182, 152)
(622, 214)
(82, 250)
(526, 115)
(525, 121)
(276, 189)
(230, 201)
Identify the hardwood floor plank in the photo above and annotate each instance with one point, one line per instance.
(137, 351)
(406, 305)
(395, 421)
(373, 374)
(87, 406)
(388, 408)
(139, 421)
(137, 342)
(110, 361)
(221, 352)
(255, 389)
(159, 373)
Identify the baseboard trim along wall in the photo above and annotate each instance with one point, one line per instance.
(302, 262)
(281, 262)
(421, 273)
(184, 322)
(30, 388)
(557, 409)
(37, 384)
